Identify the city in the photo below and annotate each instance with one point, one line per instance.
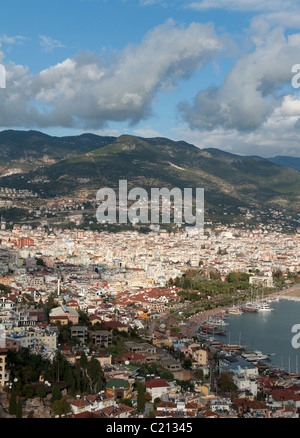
(125, 300)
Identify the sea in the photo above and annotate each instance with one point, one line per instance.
(275, 333)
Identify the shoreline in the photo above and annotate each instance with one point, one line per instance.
(193, 323)
(293, 290)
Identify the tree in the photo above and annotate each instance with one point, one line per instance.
(41, 393)
(12, 408)
(199, 374)
(61, 407)
(151, 414)
(56, 394)
(83, 360)
(4, 289)
(40, 262)
(147, 397)
(28, 390)
(187, 363)
(19, 409)
(83, 318)
(99, 386)
(127, 402)
(65, 334)
(140, 397)
(94, 373)
(51, 303)
(155, 403)
(70, 378)
(225, 382)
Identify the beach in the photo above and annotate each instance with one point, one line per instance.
(291, 293)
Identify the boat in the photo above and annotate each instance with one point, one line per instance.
(205, 337)
(233, 347)
(250, 306)
(255, 356)
(235, 310)
(211, 328)
(219, 316)
(218, 322)
(264, 307)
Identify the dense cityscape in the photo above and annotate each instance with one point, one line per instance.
(108, 325)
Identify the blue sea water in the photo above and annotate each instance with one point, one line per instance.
(269, 332)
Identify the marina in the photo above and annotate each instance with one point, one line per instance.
(260, 336)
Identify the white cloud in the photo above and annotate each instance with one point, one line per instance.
(250, 92)
(11, 40)
(290, 107)
(277, 136)
(85, 92)
(48, 44)
(244, 5)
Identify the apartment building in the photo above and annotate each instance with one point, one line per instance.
(101, 338)
(4, 375)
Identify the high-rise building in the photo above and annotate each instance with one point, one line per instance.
(24, 241)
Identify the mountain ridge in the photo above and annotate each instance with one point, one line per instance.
(286, 161)
(88, 162)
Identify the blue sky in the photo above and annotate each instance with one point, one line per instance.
(215, 73)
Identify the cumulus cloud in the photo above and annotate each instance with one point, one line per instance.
(86, 92)
(251, 91)
(277, 136)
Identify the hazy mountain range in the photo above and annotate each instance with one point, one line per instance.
(292, 162)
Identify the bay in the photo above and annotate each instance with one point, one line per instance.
(268, 332)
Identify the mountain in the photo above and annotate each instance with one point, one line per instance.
(82, 165)
(291, 162)
(27, 150)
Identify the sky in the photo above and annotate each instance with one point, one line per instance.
(214, 73)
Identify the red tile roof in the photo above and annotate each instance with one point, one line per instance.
(133, 356)
(87, 414)
(157, 383)
(283, 394)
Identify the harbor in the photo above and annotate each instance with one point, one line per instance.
(261, 337)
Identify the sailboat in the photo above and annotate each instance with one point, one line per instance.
(235, 310)
(250, 306)
(233, 347)
(264, 306)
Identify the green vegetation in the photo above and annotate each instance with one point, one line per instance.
(85, 378)
(13, 214)
(230, 181)
(140, 397)
(198, 287)
(4, 289)
(156, 369)
(225, 383)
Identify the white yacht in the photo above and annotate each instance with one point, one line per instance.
(255, 356)
(264, 307)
